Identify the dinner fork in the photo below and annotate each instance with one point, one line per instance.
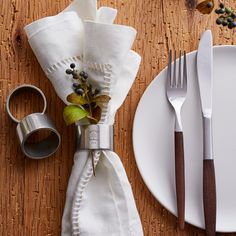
(176, 90)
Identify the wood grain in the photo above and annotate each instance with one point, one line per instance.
(209, 196)
(180, 178)
(32, 193)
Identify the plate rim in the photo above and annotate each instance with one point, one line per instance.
(220, 230)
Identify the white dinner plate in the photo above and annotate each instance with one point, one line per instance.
(153, 140)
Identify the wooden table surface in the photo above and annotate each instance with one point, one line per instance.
(32, 193)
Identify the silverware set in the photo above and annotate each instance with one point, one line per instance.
(176, 90)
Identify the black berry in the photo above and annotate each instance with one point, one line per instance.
(219, 21)
(85, 75)
(230, 25)
(79, 91)
(224, 23)
(82, 73)
(69, 71)
(72, 65)
(76, 85)
(230, 19)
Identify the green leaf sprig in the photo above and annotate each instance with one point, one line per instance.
(85, 102)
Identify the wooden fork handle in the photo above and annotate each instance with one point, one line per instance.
(209, 197)
(179, 178)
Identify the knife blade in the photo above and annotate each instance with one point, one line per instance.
(205, 81)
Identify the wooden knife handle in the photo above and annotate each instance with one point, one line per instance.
(209, 197)
(179, 178)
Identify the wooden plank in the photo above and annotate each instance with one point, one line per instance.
(33, 192)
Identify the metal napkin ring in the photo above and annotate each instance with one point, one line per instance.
(34, 123)
(95, 137)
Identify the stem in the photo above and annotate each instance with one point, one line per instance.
(85, 87)
(89, 103)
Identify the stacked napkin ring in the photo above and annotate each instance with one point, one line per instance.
(33, 123)
(95, 137)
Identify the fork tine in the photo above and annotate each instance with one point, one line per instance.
(169, 70)
(180, 81)
(185, 71)
(175, 82)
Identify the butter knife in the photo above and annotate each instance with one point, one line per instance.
(205, 81)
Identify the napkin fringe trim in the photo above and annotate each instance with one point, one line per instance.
(75, 216)
(78, 199)
(106, 69)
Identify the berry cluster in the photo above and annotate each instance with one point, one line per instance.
(81, 87)
(226, 16)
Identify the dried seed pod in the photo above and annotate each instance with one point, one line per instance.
(205, 7)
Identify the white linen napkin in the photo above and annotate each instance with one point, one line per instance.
(101, 205)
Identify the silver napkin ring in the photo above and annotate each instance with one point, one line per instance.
(95, 137)
(33, 123)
